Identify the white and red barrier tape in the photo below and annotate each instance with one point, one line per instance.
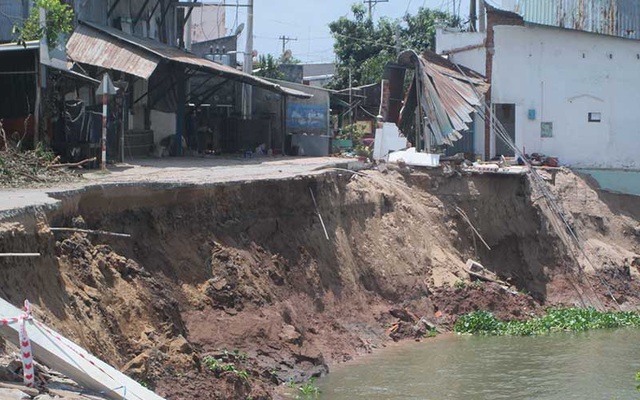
(28, 372)
(25, 344)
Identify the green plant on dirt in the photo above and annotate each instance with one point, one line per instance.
(554, 320)
(44, 153)
(362, 150)
(59, 19)
(309, 390)
(240, 356)
(213, 364)
(638, 380)
(460, 284)
(431, 333)
(217, 365)
(477, 285)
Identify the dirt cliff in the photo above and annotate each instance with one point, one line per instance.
(225, 291)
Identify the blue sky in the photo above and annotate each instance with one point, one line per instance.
(307, 20)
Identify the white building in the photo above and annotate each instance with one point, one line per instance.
(207, 23)
(563, 92)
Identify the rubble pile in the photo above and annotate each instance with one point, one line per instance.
(49, 383)
(31, 168)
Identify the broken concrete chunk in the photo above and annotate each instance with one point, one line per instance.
(477, 271)
(13, 394)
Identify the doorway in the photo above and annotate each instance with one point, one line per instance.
(506, 114)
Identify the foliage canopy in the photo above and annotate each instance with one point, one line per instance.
(268, 67)
(365, 47)
(59, 21)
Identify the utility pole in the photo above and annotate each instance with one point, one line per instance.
(481, 16)
(350, 100)
(397, 39)
(285, 40)
(371, 4)
(248, 64)
(473, 16)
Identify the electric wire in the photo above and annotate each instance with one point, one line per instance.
(540, 185)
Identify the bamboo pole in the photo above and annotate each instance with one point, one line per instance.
(319, 215)
(90, 231)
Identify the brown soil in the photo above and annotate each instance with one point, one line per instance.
(243, 274)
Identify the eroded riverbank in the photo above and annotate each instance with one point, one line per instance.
(242, 273)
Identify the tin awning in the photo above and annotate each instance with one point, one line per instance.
(110, 48)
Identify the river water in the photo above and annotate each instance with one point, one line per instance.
(589, 365)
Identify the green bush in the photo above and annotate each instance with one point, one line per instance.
(555, 320)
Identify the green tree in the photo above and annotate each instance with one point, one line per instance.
(268, 67)
(419, 30)
(59, 19)
(363, 47)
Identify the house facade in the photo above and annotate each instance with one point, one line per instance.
(165, 94)
(561, 89)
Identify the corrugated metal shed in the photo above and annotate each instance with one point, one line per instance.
(113, 49)
(447, 96)
(608, 17)
(12, 12)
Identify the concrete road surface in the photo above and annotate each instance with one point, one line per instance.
(184, 170)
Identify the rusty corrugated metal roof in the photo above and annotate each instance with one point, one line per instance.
(91, 46)
(113, 49)
(448, 97)
(608, 17)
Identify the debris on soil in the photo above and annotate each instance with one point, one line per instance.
(49, 384)
(229, 291)
(31, 168)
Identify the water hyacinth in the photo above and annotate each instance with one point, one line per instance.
(555, 320)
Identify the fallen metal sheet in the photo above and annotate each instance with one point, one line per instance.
(61, 354)
(448, 96)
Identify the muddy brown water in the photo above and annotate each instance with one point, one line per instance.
(589, 365)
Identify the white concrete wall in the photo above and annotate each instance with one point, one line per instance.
(162, 124)
(475, 59)
(563, 75)
(207, 23)
(447, 40)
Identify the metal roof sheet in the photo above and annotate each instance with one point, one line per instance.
(56, 64)
(448, 94)
(608, 17)
(113, 49)
(94, 47)
(29, 45)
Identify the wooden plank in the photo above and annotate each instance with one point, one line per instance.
(61, 354)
